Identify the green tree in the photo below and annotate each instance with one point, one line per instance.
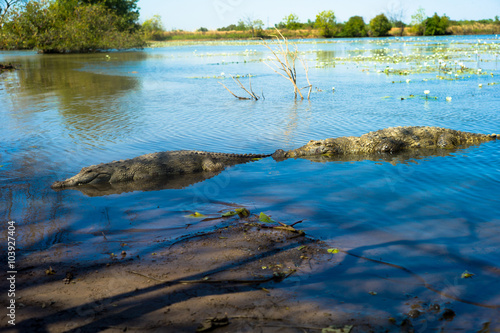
(253, 25)
(230, 27)
(292, 22)
(355, 27)
(153, 24)
(49, 27)
(325, 22)
(418, 21)
(436, 25)
(380, 26)
(126, 10)
(5, 5)
(22, 29)
(153, 28)
(241, 26)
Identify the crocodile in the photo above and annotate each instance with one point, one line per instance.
(390, 140)
(146, 169)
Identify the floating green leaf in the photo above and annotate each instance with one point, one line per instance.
(242, 212)
(228, 214)
(334, 250)
(196, 214)
(265, 218)
(466, 275)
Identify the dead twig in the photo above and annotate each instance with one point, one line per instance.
(238, 97)
(286, 227)
(306, 68)
(245, 89)
(253, 96)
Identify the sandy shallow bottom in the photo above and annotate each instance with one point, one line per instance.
(242, 276)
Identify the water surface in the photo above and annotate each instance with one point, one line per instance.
(435, 215)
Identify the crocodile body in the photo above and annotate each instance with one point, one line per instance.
(390, 140)
(155, 166)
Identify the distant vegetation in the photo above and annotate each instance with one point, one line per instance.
(326, 25)
(64, 26)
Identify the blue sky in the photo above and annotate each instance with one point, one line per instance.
(212, 14)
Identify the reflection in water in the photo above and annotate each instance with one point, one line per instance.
(402, 157)
(325, 56)
(90, 105)
(299, 115)
(379, 52)
(156, 184)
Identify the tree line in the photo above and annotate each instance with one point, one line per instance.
(380, 25)
(62, 26)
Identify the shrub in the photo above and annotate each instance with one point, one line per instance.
(355, 27)
(380, 26)
(292, 22)
(436, 25)
(325, 22)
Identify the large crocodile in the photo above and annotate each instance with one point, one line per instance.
(146, 169)
(389, 141)
(178, 169)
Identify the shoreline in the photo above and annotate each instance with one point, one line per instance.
(244, 275)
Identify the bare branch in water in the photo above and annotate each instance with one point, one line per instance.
(238, 97)
(283, 62)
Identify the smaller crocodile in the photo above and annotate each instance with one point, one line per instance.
(156, 165)
(389, 140)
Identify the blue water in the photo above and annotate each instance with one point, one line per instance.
(435, 215)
